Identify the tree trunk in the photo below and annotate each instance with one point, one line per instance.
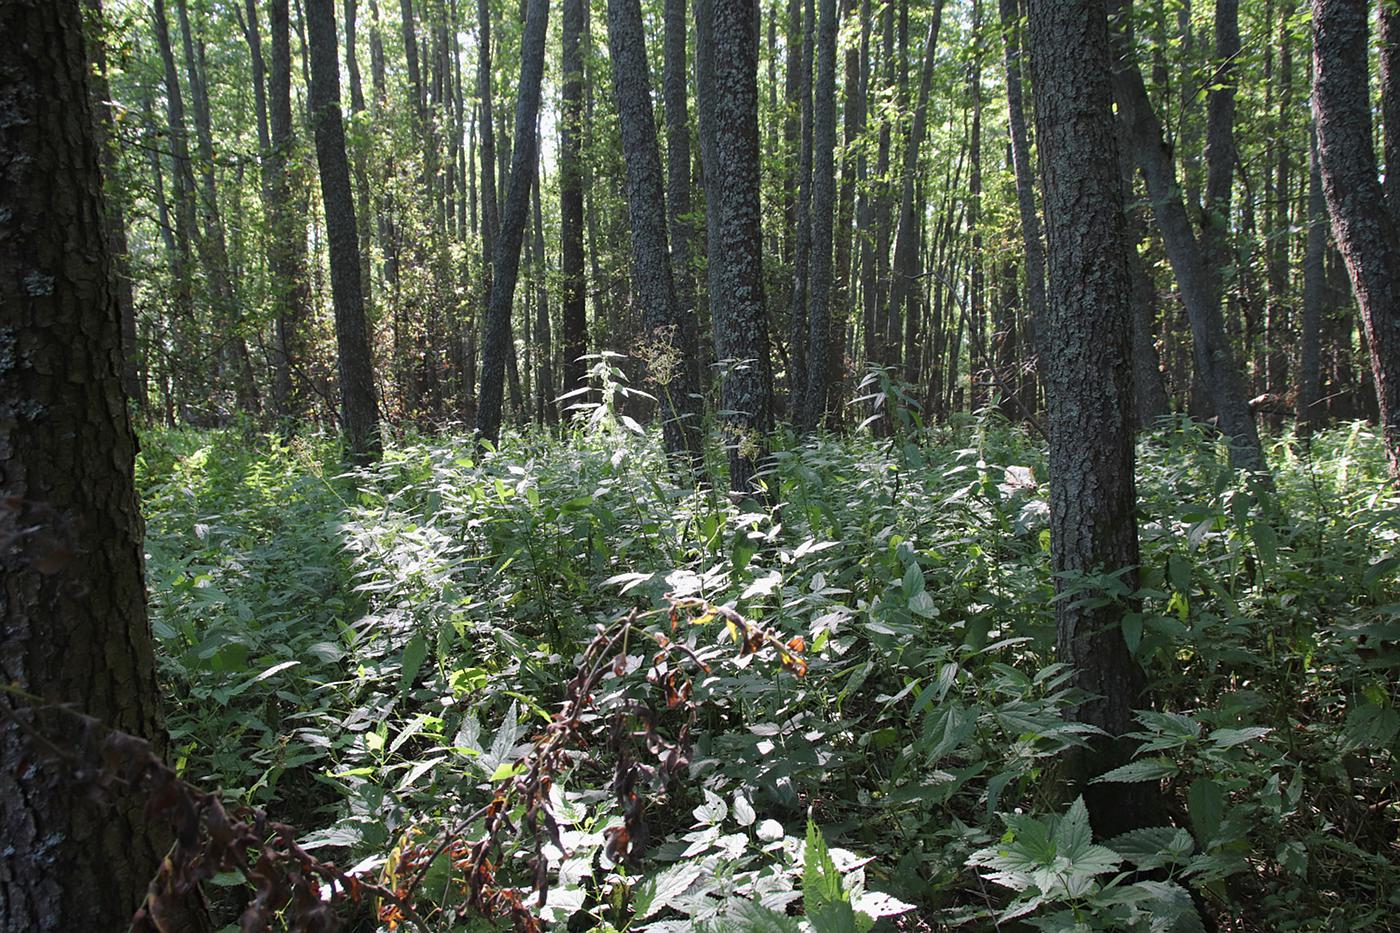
(72, 598)
(1220, 146)
(1214, 360)
(903, 290)
(359, 410)
(183, 325)
(802, 235)
(575, 312)
(1389, 42)
(545, 388)
(726, 62)
(287, 254)
(506, 259)
(1089, 389)
(680, 231)
(1149, 391)
(1033, 248)
(214, 243)
(364, 215)
(133, 367)
(668, 335)
(822, 209)
(1366, 232)
(1310, 413)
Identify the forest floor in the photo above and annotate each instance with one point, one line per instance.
(370, 655)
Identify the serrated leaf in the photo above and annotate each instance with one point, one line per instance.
(1206, 805)
(1229, 738)
(658, 891)
(1137, 772)
(414, 654)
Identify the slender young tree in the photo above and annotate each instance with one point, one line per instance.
(72, 597)
(496, 347)
(359, 409)
(1365, 230)
(679, 229)
(726, 51)
(1088, 374)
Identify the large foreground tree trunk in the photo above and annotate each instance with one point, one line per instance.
(1088, 373)
(359, 410)
(1365, 230)
(669, 335)
(726, 52)
(506, 261)
(73, 626)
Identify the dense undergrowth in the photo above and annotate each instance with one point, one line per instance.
(366, 655)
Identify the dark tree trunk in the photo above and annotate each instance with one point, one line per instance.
(1220, 145)
(1088, 378)
(852, 171)
(287, 252)
(72, 599)
(669, 336)
(822, 209)
(545, 388)
(1389, 41)
(133, 365)
(903, 284)
(679, 228)
(802, 212)
(214, 242)
(1033, 248)
(1214, 360)
(726, 59)
(364, 215)
(1310, 413)
(359, 410)
(793, 82)
(1366, 232)
(1149, 391)
(976, 291)
(182, 322)
(497, 350)
(575, 314)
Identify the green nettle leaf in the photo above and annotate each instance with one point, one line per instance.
(750, 917)
(821, 881)
(1206, 806)
(657, 892)
(1137, 772)
(1228, 738)
(913, 580)
(414, 654)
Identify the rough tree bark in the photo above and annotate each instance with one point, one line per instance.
(1033, 248)
(822, 210)
(1089, 385)
(506, 260)
(726, 59)
(73, 626)
(679, 228)
(359, 409)
(667, 333)
(287, 251)
(1366, 232)
(574, 334)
